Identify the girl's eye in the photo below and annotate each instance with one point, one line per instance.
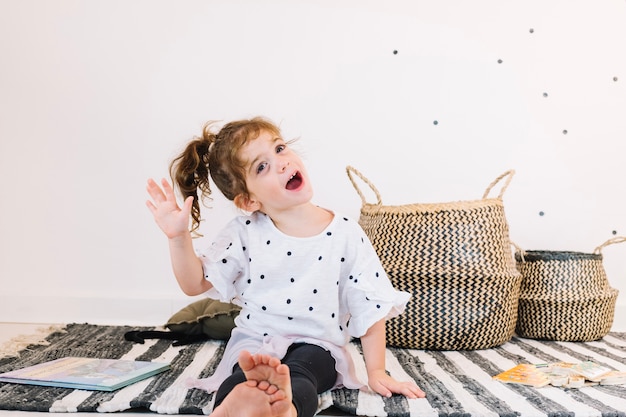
(261, 167)
(280, 148)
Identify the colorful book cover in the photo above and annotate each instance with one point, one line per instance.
(524, 374)
(85, 373)
(613, 378)
(591, 370)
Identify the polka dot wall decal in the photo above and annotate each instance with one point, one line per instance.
(615, 79)
(614, 232)
(499, 61)
(531, 30)
(395, 52)
(436, 122)
(541, 213)
(545, 94)
(565, 131)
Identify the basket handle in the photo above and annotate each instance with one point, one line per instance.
(351, 170)
(618, 239)
(519, 250)
(508, 173)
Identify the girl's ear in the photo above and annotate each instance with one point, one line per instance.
(246, 203)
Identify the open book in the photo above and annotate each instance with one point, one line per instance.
(562, 374)
(85, 373)
(525, 374)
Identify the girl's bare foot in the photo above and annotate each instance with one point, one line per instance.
(271, 375)
(266, 393)
(246, 399)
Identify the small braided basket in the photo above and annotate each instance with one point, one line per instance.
(565, 296)
(456, 261)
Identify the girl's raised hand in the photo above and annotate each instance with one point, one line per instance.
(172, 219)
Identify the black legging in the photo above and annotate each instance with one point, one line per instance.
(312, 371)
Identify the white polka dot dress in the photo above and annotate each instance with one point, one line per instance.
(323, 289)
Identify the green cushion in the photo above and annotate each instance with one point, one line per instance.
(207, 316)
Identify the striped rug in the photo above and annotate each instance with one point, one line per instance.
(457, 383)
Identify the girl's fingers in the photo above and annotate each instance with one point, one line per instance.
(408, 389)
(382, 389)
(155, 191)
(413, 391)
(151, 206)
(169, 191)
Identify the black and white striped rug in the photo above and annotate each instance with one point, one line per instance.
(457, 383)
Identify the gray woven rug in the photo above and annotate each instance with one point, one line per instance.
(458, 384)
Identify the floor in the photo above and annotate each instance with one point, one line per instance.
(11, 331)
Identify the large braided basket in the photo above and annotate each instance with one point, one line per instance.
(564, 295)
(456, 260)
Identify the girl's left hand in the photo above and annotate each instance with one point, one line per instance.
(385, 385)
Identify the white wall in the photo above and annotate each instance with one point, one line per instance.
(97, 96)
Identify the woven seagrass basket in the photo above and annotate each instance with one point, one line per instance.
(564, 295)
(457, 262)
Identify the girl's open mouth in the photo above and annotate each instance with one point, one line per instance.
(295, 181)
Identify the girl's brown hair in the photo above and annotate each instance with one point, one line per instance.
(216, 154)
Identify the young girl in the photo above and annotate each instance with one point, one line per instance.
(307, 278)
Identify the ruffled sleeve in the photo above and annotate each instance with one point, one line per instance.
(222, 263)
(366, 290)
